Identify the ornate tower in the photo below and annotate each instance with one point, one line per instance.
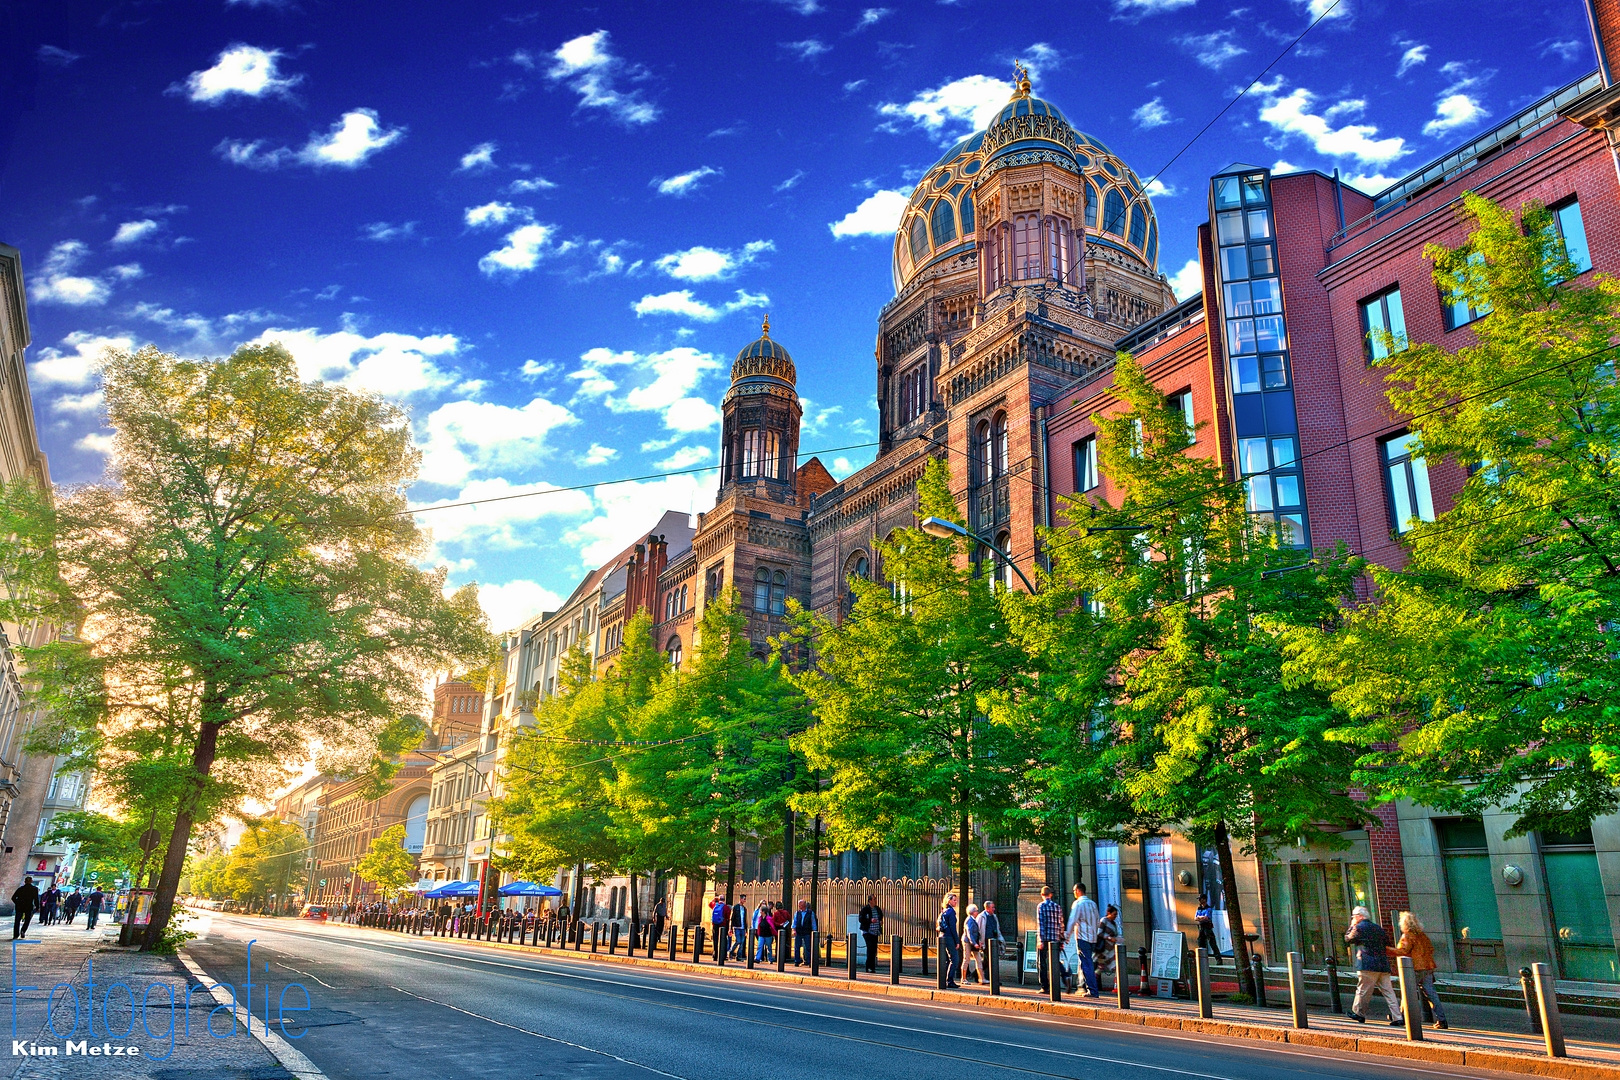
(760, 419)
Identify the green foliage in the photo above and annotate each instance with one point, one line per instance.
(108, 841)
(386, 864)
(1484, 673)
(267, 860)
(913, 732)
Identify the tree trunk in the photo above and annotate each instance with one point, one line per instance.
(964, 841)
(635, 903)
(1234, 911)
(815, 862)
(579, 891)
(731, 863)
(787, 862)
(174, 859)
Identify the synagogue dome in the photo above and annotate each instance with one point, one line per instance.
(938, 223)
(763, 366)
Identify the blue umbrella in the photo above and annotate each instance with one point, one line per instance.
(460, 889)
(529, 888)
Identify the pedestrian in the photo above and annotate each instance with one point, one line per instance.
(1048, 936)
(1107, 938)
(1372, 967)
(949, 926)
(764, 934)
(871, 922)
(92, 906)
(1204, 915)
(739, 928)
(1082, 929)
(660, 913)
(26, 904)
(992, 927)
(804, 924)
(1416, 944)
(973, 967)
(47, 905)
(780, 918)
(70, 906)
(718, 915)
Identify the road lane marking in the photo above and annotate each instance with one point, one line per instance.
(536, 1034)
(280, 1049)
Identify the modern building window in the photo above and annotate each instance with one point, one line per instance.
(1086, 476)
(1383, 325)
(1183, 403)
(1114, 213)
(1458, 309)
(1409, 499)
(1272, 484)
(1572, 230)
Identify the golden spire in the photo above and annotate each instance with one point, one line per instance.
(765, 330)
(1020, 80)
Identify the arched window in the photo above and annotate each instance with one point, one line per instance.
(762, 589)
(967, 216)
(1091, 205)
(919, 240)
(998, 448)
(1153, 244)
(779, 593)
(673, 651)
(771, 457)
(1057, 248)
(752, 449)
(855, 566)
(982, 451)
(943, 221)
(1139, 224)
(1004, 570)
(1113, 213)
(1026, 247)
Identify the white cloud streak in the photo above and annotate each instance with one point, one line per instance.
(240, 70)
(877, 215)
(587, 66)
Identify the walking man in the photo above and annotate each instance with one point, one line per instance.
(950, 942)
(1372, 967)
(871, 919)
(718, 912)
(1048, 935)
(92, 907)
(26, 899)
(1083, 920)
(973, 969)
(660, 913)
(739, 928)
(804, 923)
(47, 905)
(70, 906)
(1205, 915)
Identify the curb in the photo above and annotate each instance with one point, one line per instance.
(1509, 1061)
(280, 1049)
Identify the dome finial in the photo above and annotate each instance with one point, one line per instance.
(765, 327)
(1020, 80)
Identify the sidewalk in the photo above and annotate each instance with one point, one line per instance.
(1593, 1043)
(72, 955)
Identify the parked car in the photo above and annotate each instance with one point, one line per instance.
(313, 911)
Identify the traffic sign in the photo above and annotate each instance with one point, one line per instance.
(323, 883)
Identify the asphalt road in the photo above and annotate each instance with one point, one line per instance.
(387, 1007)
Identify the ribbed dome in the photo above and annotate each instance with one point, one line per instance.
(764, 357)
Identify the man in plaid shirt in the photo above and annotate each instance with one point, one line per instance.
(1049, 919)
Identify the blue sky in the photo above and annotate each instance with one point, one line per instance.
(547, 229)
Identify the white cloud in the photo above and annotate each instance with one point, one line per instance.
(1150, 7)
(873, 16)
(1326, 9)
(1188, 281)
(533, 369)
(1212, 50)
(1152, 115)
(81, 404)
(962, 105)
(841, 467)
(1291, 115)
(686, 182)
(131, 231)
(347, 144)
(479, 158)
(1371, 184)
(685, 458)
(587, 66)
(1566, 50)
(513, 603)
(878, 215)
(1411, 58)
(661, 382)
(803, 7)
(96, 443)
(1040, 57)
(710, 264)
(791, 182)
(466, 437)
(624, 510)
(1284, 166)
(1455, 111)
(524, 248)
(808, 49)
(383, 231)
(240, 69)
(525, 185)
(56, 282)
(597, 454)
(76, 365)
(507, 523)
(492, 213)
(394, 365)
(685, 305)
(1158, 189)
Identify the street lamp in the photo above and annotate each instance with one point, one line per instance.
(938, 526)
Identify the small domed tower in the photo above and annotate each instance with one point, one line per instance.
(761, 411)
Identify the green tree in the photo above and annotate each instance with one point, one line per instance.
(386, 864)
(264, 861)
(912, 730)
(1159, 654)
(248, 583)
(1483, 672)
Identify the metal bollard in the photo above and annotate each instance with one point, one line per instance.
(1411, 999)
(1296, 989)
(685, 932)
(852, 953)
(897, 958)
(1531, 1006)
(674, 944)
(815, 952)
(1206, 1007)
(992, 949)
(925, 957)
(1258, 967)
(1122, 985)
(596, 934)
(750, 947)
(697, 943)
(784, 942)
(1018, 950)
(829, 941)
(613, 940)
(1332, 963)
(1552, 1025)
(944, 967)
(1054, 970)
(722, 946)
